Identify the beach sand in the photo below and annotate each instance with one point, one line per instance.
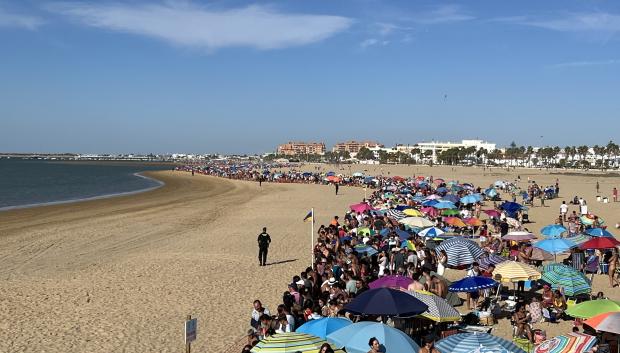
(121, 274)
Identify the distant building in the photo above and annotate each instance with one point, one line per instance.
(437, 147)
(354, 146)
(301, 148)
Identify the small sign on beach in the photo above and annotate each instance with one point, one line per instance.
(190, 330)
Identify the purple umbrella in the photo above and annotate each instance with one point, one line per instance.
(391, 282)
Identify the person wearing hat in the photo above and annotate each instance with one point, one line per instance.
(263, 247)
(428, 345)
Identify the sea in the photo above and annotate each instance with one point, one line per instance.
(29, 183)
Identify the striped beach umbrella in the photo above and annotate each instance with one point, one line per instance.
(288, 342)
(513, 271)
(579, 238)
(439, 309)
(395, 214)
(460, 251)
(420, 222)
(541, 255)
(562, 276)
(588, 219)
(607, 322)
(492, 259)
(472, 284)
(590, 308)
(431, 232)
(470, 342)
(573, 342)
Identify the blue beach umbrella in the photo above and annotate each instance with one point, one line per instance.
(468, 342)
(330, 174)
(385, 301)
(555, 245)
(444, 205)
(469, 199)
(552, 230)
(324, 326)
(490, 192)
(354, 338)
(472, 284)
(365, 250)
(451, 198)
(430, 203)
(402, 235)
(511, 208)
(441, 190)
(599, 232)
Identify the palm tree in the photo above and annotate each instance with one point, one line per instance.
(583, 151)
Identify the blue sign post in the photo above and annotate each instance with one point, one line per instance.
(191, 325)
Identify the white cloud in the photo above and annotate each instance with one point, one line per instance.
(369, 42)
(443, 14)
(8, 19)
(591, 22)
(586, 63)
(187, 24)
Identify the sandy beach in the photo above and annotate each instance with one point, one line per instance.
(121, 274)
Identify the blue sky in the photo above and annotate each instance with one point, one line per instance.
(240, 77)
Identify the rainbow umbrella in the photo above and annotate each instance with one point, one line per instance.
(562, 276)
(607, 322)
(590, 308)
(573, 342)
(288, 342)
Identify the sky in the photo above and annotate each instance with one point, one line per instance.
(242, 77)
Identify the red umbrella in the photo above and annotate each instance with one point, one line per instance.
(398, 178)
(438, 181)
(492, 213)
(600, 243)
(431, 211)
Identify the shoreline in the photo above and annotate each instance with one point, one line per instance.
(91, 198)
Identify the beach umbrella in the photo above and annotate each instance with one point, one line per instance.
(441, 190)
(430, 203)
(500, 183)
(555, 245)
(492, 213)
(455, 222)
(330, 174)
(395, 282)
(450, 198)
(385, 301)
(588, 219)
(460, 251)
(288, 342)
(552, 230)
(363, 231)
(513, 271)
(398, 178)
(470, 342)
(452, 212)
(323, 326)
(358, 174)
(590, 308)
(600, 243)
(439, 310)
(443, 205)
(513, 222)
(606, 322)
(431, 232)
(574, 342)
(472, 284)
(365, 250)
(469, 199)
(519, 236)
(354, 338)
(433, 212)
(395, 214)
(598, 232)
(511, 208)
(579, 238)
(541, 255)
(402, 235)
(368, 180)
(360, 207)
(456, 188)
(490, 192)
(562, 276)
(439, 181)
(433, 197)
(333, 179)
(491, 259)
(419, 222)
(413, 212)
(473, 221)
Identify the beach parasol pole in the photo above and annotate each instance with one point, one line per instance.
(312, 238)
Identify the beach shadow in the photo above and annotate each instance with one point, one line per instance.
(280, 262)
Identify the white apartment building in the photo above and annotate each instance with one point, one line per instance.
(437, 147)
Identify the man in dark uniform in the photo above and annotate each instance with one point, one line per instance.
(336, 188)
(263, 246)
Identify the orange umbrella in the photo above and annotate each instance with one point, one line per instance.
(473, 222)
(333, 179)
(454, 221)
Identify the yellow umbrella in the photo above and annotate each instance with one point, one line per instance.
(513, 271)
(413, 212)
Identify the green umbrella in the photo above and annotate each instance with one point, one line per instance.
(573, 282)
(450, 212)
(592, 308)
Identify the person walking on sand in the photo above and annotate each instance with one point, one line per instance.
(263, 246)
(613, 265)
(336, 184)
(597, 187)
(614, 193)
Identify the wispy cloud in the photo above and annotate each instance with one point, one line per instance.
(443, 14)
(14, 20)
(590, 22)
(372, 42)
(187, 24)
(586, 63)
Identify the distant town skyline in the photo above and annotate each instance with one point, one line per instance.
(241, 77)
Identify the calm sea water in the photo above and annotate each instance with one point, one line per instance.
(26, 183)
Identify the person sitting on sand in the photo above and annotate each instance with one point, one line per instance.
(559, 303)
(520, 320)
